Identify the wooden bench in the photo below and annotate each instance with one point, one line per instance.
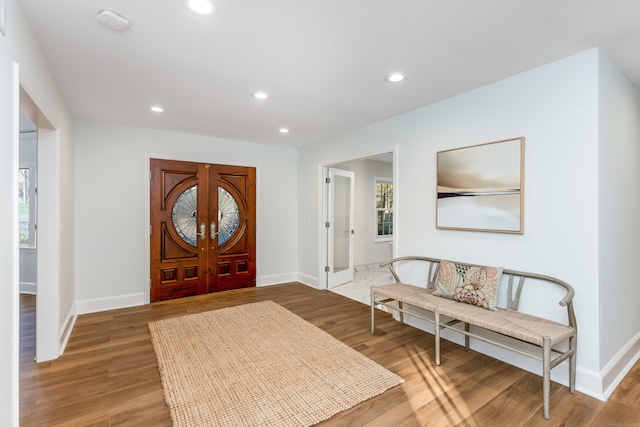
(507, 321)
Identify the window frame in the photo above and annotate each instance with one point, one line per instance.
(383, 237)
(31, 166)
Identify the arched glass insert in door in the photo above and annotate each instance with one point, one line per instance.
(184, 215)
(228, 215)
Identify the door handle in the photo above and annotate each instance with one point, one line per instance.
(203, 231)
(212, 230)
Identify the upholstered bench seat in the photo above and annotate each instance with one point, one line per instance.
(512, 323)
(413, 295)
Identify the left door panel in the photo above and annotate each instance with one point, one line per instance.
(178, 252)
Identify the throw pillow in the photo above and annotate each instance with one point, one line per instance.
(471, 284)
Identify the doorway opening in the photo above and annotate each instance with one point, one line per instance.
(27, 201)
(46, 218)
(369, 238)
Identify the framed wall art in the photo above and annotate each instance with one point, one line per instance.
(481, 187)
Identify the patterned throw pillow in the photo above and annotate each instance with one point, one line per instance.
(471, 284)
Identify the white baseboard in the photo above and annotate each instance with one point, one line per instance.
(276, 279)
(132, 300)
(308, 280)
(67, 327)
(601, 385)
(28, 288)
(111, 303)
(589, 382)
(620, 365)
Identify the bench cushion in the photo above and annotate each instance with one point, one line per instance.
(514, 324)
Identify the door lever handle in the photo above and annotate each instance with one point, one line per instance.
(212, 230)
(203, 231)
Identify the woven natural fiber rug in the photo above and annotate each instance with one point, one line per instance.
(259, 365)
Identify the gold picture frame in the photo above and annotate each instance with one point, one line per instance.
(481, 187)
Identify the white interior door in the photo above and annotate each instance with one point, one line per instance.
(341, 226)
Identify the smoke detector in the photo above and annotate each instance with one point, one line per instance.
(112, 20)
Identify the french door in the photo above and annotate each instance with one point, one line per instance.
(341, 206)
(202, 228)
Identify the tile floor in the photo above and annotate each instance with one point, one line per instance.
(364, 277)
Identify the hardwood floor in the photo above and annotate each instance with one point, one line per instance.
(108, 374)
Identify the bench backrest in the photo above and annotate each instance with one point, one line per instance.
(514, 277)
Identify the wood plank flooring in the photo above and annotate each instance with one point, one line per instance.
(108, 374)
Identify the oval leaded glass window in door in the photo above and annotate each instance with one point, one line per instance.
(185, 215)
(228, 215)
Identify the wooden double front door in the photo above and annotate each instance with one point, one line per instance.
(203, 235)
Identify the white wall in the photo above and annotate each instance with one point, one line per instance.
(619, 210)
(19, 47)
(555, 107)
(112, 210)
(365, 249)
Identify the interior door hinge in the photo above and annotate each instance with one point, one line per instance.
(327, 269)
(149, 174)
(327, 224)
(150, 229)
(327, 180)
(150, 283)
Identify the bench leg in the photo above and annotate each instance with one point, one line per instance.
(546, 374)
(373, 311)
(436, 324)
(573, 346)
(466, 337)
(401, 314)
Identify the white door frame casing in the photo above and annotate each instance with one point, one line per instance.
(48, 248)
(323, 200)
(48, 326)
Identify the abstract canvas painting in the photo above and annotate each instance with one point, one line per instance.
(481, 188)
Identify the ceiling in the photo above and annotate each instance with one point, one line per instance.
(322, 62)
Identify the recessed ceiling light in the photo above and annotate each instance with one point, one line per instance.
(260, 95)
(284, 130)
(157, 109)
(395, 77)
(201, 7)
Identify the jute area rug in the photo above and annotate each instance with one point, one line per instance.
(259, 365)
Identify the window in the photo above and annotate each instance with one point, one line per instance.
(26, 206)
(384, 209)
